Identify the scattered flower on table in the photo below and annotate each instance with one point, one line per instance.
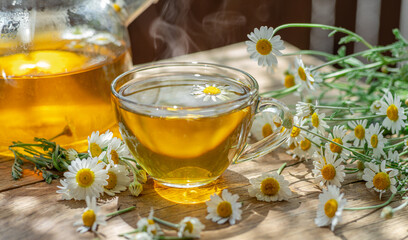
(289, 79)
(118, 180)
(190, 227)
(149, 225)
(91, 217)
(225, 208)
(380, 178)
(358, 134)
(116, 150)
(297, 134)
(72, 154)
(97, 143)
(84, 178)
(376, 140)
(338, 136)
(264, 47)
(393, 156)
(304, 109)
(375, 106)
(387, 212)
(269, 187)
(395, 116)
(212, 92)
(330, 208)
(307, 147)
(303, 76)
(329, 169)
(318, 123)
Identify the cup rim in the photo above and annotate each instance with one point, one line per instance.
(254, 87)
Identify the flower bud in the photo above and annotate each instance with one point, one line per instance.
(141, 176)
(135, 188)
(387, 213)
(406, 102)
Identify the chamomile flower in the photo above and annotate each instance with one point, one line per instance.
(376, 140)
(306, 147)
(393, 156)
(91, 218)
(142, 236)
(148, 225)
(304, 109)
(118, 180)
(330, 208)
(358, 136)
(375, 106)
(269, 187)
(263, 47)
(265, 124)
(391, 107)
(103, 39)
(328, 169)
(84, 178)
(318, 123)
(380, 178)
(296, 134)
(71, 154)
(212, 92)
(289, 79)
(64, 190)
(116, 150)
(338, 136)
(97, 143)
(221, 210)
(303, 75)
(190, 227)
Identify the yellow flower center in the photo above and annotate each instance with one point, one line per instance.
(295, 132)
(116, 7)
(374, 140)
(381, 181)
(328, 172)
(85, 177)
(392, 112)
(277, 124)
(263, 46)
(359, 131)
(211, 90)
(360, 166)
(114, 157)
(315, 120)
(224, 209)
(95, 150)
(302, 73)
(150, 221)
(189, 227)
(266, 130)
(334, 148)
(112, 180)
(88, 218)
(292, 146)
(289, 81)
(305, 144)
(330, 208)
(270, 186)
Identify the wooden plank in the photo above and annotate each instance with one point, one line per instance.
(35, 211)
(389, 19)
(346, 18)
(6, 180)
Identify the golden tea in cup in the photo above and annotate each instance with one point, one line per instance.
(185, 123)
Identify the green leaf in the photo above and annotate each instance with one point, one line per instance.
(348, 39)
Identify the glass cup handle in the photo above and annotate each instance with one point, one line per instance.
(269, 143)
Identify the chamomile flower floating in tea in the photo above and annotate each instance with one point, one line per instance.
(225, 208)
(328, 169)
(190, 227)
(269, 187)
(395, 117)
(103, 39)
(118, 179)
(78, 33)
(265, 124)
(264, 47)
(379, 178)
(84, 178)
(91, 217)
(98, 143)
(330, 208)
(212, 92)
(376, 140)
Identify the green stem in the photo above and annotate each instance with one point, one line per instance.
(127, 233)
(280, 93)
(281, 168)
(341, 108)
(325, 27)
(372, 207)
(310, 52)
(353, 119)
(394, 145)
(351, 172)
(403, 153)
(169, 224)
(120, 211)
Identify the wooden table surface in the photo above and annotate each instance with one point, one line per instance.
(31, 208)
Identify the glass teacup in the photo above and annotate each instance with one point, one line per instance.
(186, 122)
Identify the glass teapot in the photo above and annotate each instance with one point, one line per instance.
(57, 60)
